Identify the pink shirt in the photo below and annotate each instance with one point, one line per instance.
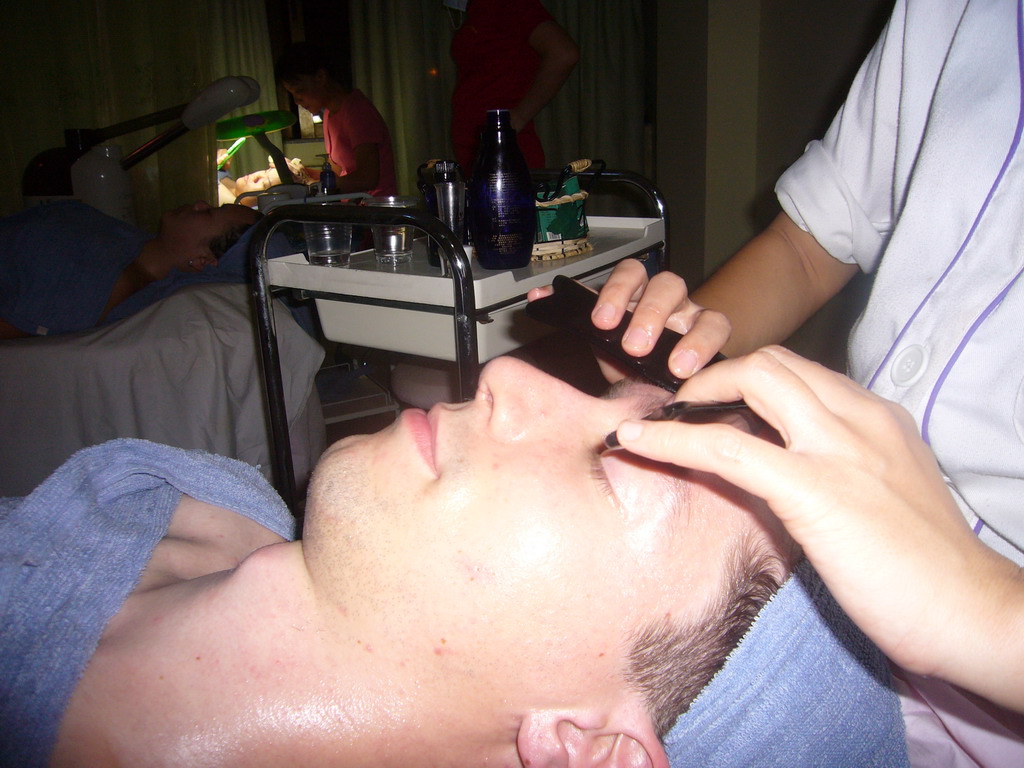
(358, 122)
(495, 68)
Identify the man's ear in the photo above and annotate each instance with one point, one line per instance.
(551, 739)
(201, 258)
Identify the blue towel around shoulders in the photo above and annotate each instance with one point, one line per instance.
(73, 550)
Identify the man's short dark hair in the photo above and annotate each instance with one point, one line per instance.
(670, 664)
(220, 244)
(306, 59)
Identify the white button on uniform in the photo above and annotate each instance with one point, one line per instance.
(909, 365)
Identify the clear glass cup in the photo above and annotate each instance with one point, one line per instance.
(328, 244)
(392, 244)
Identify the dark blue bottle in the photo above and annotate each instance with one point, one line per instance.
(502, 207)
(328, 179)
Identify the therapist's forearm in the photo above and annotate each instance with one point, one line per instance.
(772, 285)
(364, 176)
(356, 182)
(984, 650)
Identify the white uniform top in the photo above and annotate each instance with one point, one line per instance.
(920, 179)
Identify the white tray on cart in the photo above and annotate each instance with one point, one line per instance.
(410, 308)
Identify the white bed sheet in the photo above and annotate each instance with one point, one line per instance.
(184, 371)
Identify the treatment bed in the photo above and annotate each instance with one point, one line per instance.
(183, 371)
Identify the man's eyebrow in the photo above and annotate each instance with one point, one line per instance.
(646, 396)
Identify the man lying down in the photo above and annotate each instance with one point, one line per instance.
(479, 585)
(67, 267)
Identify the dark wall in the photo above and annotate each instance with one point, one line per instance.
(810, 52)
(681, 35)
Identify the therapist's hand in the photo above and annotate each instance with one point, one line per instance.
(862, 494)
(659, 303)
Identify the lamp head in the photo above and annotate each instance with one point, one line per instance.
(218, 98)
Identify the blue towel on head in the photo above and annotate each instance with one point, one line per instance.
(803, 688)
(74, 549)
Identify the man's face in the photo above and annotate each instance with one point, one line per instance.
(496, 536)
(189, 229)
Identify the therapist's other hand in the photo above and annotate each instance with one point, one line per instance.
(658, 303)
(300, 174)
(859, 490)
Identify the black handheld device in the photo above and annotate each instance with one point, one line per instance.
(569, 307)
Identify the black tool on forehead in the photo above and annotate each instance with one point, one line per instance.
(569, 307)
(700, 413)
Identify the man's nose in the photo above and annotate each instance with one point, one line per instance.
(525, 401)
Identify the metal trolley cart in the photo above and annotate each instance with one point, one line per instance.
(459, 316)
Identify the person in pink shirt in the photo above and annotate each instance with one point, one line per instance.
(356, 138)
(508, 55)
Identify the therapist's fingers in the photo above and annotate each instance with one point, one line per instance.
(619, 293)
(539, 293)
(829, 425)
(659, 303)
(770, 367)
(789, 392)
(856, 488)
(744, 460)
(879, 526)
(708, 332)
(783, 398)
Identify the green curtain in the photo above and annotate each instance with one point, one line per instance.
(94, 63)
(599, 113)
(400, 59)
(244, 49)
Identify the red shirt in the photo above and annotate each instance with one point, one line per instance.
(359, 122)
(495, 67)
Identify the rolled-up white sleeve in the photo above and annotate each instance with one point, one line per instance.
(843, 189)
(814, 194)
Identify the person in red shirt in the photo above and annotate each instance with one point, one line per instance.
(356, 138)
(508, 54)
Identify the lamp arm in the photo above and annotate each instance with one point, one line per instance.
(214, 101)
(159, 141)
(283, 171)
(128, 126)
